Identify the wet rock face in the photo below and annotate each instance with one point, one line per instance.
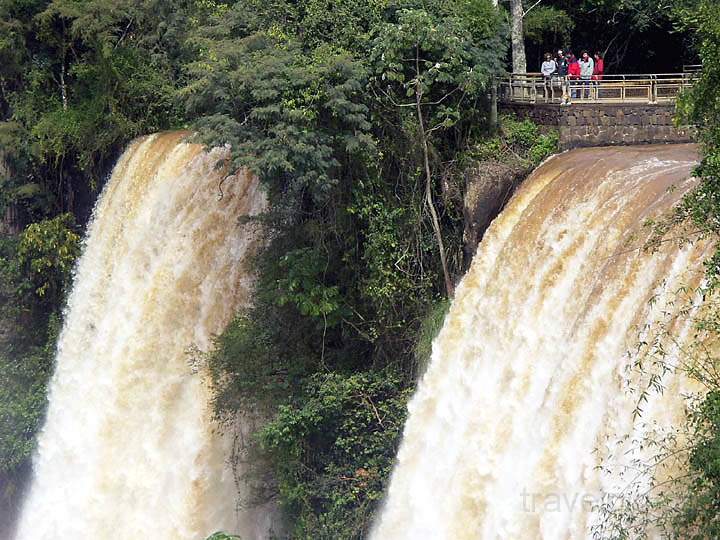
(606, 125)
(488, 187)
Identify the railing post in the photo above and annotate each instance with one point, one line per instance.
(656, 91)
(653, 89)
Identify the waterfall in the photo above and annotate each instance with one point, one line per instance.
(527, 390)
(129, 449)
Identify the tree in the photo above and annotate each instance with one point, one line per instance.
(701, 107)
(437, 62)
(82, 78)
(517, 37)
(547, 28)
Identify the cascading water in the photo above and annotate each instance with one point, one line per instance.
(527, 377)
(128, 450)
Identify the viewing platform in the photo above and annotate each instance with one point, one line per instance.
(617, 109)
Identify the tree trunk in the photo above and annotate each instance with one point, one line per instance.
(63, 86)
(449, 287)
(517, 37)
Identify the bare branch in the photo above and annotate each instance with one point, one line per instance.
(528, 9)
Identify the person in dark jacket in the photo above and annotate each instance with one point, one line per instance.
(562, 64)
(561, 72)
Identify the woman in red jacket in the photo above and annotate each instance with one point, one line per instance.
(573, 75)
(599, 70)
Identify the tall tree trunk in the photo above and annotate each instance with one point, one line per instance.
(449, 287)
(63, 86)
(517, 37)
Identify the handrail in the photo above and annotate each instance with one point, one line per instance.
(614, 88)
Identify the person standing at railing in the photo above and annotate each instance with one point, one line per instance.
(561, 73)
(548, 69)
(598, 73)
(587, 67)
(574, 73)
(599, 70)
(562, 64)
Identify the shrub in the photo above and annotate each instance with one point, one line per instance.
(333, 450)
(517, 140)
(48, 250)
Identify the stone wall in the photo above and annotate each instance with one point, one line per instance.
(591, 124)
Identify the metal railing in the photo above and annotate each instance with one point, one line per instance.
(645, 88)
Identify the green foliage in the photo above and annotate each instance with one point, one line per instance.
(24, 373)
(637, 36)
(346, 24)
(701, 107)
(290, 118)
(83, 78)
(545, 145)
(48, 250)
(302, 286)
(391, 277)
(442, 57)
(520, 140)
(698, 518)
(29, 325)
(244, 366)
(548, 25)
(333, 450)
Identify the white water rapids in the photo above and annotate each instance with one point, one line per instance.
(128, 450)
(527, 377)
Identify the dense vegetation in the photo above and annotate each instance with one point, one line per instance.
(360, 117)
(353, 137)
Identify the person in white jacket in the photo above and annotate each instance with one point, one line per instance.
(587, 67)
(548, 69)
